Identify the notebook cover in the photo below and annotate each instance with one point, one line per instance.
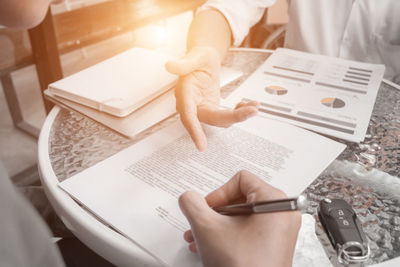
(120, 84)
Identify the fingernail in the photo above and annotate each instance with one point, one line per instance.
(251, 114)
(200, 147)
(201, 144)
(251, 197)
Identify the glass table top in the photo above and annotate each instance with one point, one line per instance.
(366, 175)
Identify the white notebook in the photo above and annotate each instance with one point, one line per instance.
(144, 117)
(120, 84)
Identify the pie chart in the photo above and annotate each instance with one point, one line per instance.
(276, 90)
(333, 102)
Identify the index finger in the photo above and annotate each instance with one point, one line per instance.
(187, 109)
(225, 117)
(243, 184)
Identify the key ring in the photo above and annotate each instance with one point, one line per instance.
(345, 256)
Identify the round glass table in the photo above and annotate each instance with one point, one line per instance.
(366, 175)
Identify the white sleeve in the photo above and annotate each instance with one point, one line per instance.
(240, 14)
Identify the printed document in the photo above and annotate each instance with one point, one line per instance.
(136, 191)
(328, 95)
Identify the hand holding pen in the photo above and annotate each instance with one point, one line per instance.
(263, 240)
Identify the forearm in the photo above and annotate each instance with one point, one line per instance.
(210, 28)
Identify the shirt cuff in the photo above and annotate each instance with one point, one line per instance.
(241, 15)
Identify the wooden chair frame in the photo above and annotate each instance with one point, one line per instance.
(75, 29)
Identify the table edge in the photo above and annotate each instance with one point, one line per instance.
(87, 228)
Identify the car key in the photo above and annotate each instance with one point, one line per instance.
(344, 230)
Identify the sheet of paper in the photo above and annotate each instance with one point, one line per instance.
(309, 251)
(325, 94)
(136, 190)
(390, 263)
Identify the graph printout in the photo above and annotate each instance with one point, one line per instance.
(329, 95)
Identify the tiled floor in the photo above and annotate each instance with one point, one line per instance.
(17, 149)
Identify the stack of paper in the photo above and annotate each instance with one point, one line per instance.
(328, 95)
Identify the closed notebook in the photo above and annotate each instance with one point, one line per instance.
(144, 117)
(120, 84)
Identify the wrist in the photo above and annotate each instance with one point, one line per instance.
(207, 51)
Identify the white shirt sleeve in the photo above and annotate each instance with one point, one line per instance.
(240, 14)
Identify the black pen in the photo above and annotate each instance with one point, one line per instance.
(287, 204)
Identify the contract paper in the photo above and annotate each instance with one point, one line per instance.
(328, 95)
(136, 191)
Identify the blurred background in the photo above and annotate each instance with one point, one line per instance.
(77, 34)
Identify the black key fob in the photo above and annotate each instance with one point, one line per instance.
(344, 230)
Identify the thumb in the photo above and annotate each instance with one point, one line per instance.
(185, 65)
(194, 207)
